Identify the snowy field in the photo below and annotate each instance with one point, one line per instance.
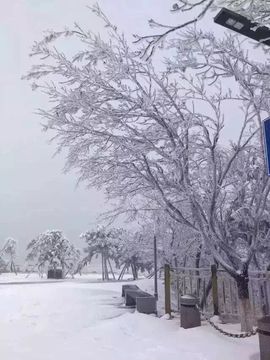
(80, 319)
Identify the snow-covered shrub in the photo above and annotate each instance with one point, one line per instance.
(8, 255)
(52, 249)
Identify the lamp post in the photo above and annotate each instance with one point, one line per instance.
(244, 26)
(239, 23)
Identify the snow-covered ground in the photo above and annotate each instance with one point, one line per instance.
(76, 319)
(12, 278)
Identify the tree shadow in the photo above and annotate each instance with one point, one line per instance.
(255, 357)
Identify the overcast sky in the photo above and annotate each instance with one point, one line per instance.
(34, 194)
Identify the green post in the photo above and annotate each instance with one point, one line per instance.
(214, 288)
(167, 282)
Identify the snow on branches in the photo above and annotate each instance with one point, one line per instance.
(193, 11)
(157, 137)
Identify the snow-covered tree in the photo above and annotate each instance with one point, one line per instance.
(157, 137)
(181, 246)
(3, 264)
(135, 252)
(51, 248)
(8, 254)
(102, 242)
(120, 247)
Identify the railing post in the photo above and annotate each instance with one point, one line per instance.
(167, 282)
(214, 288)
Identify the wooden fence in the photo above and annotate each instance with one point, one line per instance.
(216, 290)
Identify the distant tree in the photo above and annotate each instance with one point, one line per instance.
(102, 242)
(51, 248)
(125, 249)
(9, 254)
(135, 252)
(3, 265)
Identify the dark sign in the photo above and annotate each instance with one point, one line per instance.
(266, 131)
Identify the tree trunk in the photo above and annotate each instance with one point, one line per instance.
(122, 272)
(197, 265)
(244, 303)
(110, 265)
(134, 271)
(107, 277)
(102, 265)
(13, 267)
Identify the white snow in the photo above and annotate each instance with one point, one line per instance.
(76, 319)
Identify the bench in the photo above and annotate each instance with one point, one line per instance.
(131, 295)
(144, 302)
(135, 297)
(128, 287)
(146, 305)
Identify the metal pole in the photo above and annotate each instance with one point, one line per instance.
(155, 268)
(167, 284)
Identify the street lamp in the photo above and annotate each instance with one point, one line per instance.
(242, 25)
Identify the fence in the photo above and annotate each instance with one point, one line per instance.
(216, 290)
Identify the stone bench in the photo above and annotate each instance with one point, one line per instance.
(135, 297)
(131, 296)
(146, 305)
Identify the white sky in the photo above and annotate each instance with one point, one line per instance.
(34, 194)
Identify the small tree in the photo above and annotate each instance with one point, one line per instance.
(3, 265)
(103, 242)
(134, 252)
(9, 254)
(51, 248)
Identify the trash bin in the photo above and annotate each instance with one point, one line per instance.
(51, 274)
(58, 274)
(55, 274)
(264, 337)
(189, 312)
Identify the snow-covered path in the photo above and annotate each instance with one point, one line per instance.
(73, 320)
